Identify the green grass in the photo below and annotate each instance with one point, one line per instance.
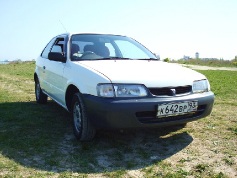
(223, 85)
(37, 140)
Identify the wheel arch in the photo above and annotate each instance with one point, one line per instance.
(35, 76)
(71, 90)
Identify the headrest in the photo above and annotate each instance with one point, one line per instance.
(100, 50)
(89, 48)
(103, 51)
(74, 48)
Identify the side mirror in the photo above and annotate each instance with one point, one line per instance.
(54, 56)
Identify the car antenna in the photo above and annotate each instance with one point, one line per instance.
(63, 26)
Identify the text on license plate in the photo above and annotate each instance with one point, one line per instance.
(177, 108)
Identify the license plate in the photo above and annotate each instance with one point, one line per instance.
(170, 109)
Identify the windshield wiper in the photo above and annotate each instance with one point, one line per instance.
(107, 58)
(125, 58)
(149, 59)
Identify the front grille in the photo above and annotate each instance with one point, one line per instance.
(168, 90)
(147, 117)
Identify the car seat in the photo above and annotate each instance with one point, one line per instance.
(74, 49)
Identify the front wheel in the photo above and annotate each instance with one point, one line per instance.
(39, 95)
(82, 127)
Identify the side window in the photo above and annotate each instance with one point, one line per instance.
(57, 49)
(47, 49)
(55, 45)
(59, 46)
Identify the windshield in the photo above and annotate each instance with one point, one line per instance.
(101, 47)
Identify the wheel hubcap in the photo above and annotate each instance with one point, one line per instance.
(77, 117)
(37, 90)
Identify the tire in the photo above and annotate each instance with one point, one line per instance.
(182, 125)
(39, 95)
(82, 127)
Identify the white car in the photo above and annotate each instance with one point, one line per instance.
(112, 81)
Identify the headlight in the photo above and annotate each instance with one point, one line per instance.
(201, 86)
(105, 90)
(121, 90)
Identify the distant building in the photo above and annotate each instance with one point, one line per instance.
(186, 57)
(197, 55)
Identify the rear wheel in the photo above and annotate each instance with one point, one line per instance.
(182, 125)
(82, 127)
(39, 95)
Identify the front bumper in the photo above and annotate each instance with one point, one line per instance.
(141, 112)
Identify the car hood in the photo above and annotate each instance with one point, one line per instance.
(150, 73)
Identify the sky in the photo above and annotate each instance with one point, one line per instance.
(170, 28)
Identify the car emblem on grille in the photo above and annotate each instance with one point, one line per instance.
(173, 92)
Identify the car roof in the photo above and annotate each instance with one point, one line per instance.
(70, 34)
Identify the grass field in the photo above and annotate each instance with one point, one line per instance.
(37, 140)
